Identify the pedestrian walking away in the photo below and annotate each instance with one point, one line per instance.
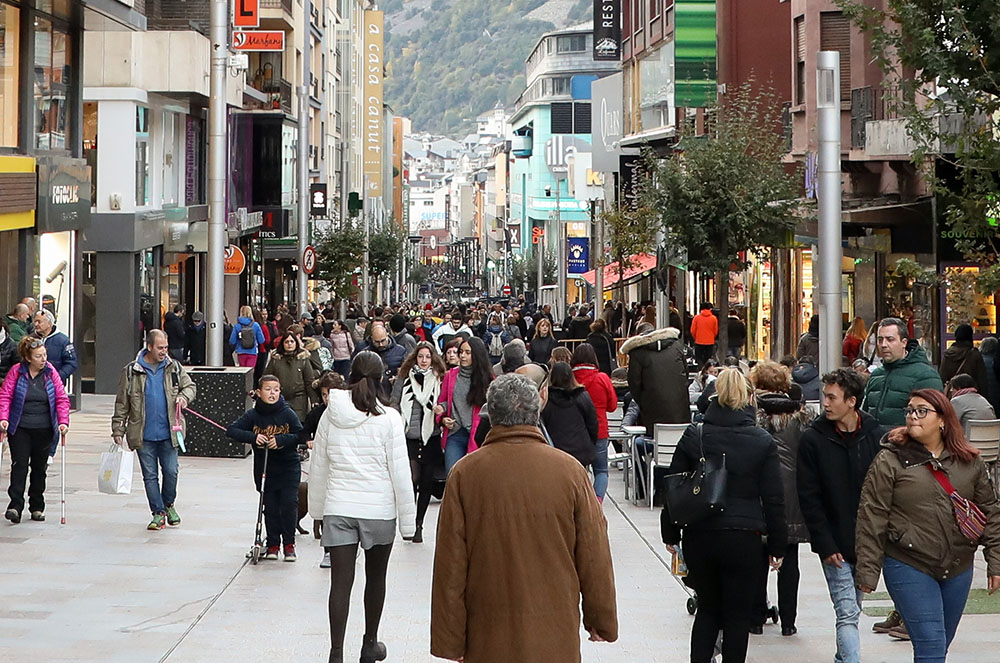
(247, 337)
(359, 490)
(704, 331)
(491, 599)
(34, 412)
(173, 325)
(927, 504)
(605, 401)
(272, 428)
(149, 392)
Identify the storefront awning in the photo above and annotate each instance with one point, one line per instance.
(639, 264)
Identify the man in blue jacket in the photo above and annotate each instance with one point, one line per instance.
(57, 344)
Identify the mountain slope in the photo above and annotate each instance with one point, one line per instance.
(450, 60)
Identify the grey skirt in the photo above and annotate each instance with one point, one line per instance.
(345, 531)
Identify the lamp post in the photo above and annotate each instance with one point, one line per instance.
(829, 196)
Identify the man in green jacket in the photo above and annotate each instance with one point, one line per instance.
(888, 389)
(19, 323)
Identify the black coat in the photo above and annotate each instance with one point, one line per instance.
(604, 348)
(807, 377)
(962, 357)
(571, 420)
(8, 357)
(785, 419)
(173, 326)
(540, 348)
(657, 377)
(754, 497)
(196, 344)
(831, 471)
(276, 420)
(579, 327)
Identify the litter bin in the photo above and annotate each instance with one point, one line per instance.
(223, 396)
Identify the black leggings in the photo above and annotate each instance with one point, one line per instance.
(29, 448)
(342, 564)
(425, 469)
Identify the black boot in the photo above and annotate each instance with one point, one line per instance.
(418, 536)
(372, 651)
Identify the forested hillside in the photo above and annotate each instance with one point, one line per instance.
(450, 60)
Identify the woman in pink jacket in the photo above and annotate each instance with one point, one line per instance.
(463, 394)
(34, 412)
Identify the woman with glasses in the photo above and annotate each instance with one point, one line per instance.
(907, 528)
(463, 394)
(34, 412)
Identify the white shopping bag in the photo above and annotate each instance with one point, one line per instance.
(115, 476)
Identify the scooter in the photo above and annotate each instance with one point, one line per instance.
(257, 551)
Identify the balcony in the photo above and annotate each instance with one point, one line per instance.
(871, 104)
(276, 15)
(283, 97)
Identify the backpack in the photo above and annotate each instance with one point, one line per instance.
(248, 339)
(496, 344)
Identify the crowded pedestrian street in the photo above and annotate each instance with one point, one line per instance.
(102, 588)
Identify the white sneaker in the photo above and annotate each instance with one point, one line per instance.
(325, 564)
(51, 460)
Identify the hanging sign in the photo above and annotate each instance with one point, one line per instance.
(578, 255)
(607, 30)
(235, 261)
(259, 40)
(246, 13)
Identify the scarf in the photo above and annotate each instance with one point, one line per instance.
(424, 392)
(962, 392)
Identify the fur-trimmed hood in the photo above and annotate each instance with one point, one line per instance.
(658, 336)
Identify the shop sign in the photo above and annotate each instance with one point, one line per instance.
(578, 255)
(514, 236)
(560, 150)
(259, 40)
(235, 261)
(607, 30)
(63, 194)
(372, 126)
(246, 13)
(18, 192)
(274, 223)
(317, 199)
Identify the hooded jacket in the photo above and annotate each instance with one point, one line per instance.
(905, 514)
(785, 420)
(18, 329)
(602, 394)
(807, 377)
(579, 326)
(754, 494)
(505, 588)
(234, 336)
(888, 389)
(296, 375)
(704, 328)
(61, 353)
(359, 467)
(962, 357)
(831, 470)
(571, 420)
(129, 419)
(196, 343)
(270, 419)
(657, 376)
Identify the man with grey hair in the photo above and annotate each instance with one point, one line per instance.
(57, 344)
(540, 539)
(515, 354)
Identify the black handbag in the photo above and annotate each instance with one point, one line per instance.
(699, 494)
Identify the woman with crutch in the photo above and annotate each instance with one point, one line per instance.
(34, 413)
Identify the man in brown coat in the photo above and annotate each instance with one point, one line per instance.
(521, 537)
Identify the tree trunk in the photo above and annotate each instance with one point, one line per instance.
(723, 292)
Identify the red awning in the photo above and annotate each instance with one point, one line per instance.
(640, 263)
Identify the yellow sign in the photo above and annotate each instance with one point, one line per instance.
(374, 61)
(18, 193)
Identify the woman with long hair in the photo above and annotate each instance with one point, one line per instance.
(854, 339)
(463, 394)
(560, 355)
(292, 364)
(907, 528)
(258, 317)
(602, 395)
(415, 394)
(569, 415)
(723, 551)
(542, 343)
(343, 347)
(360, 482)
(604, 346)
(247, 337)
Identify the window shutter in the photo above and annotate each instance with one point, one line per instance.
(800, 39)
(835, 35)
(581, 117)
(562, 117)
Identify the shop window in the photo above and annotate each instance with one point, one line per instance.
(656, 88)
(141, 156)
(51, 86)
(170, 151)
(90, 145)
(9, 80)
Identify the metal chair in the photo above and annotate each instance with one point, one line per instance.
(984, 434)
(632, 432)
(665, 440)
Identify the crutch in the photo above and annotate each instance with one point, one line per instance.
(3, 436)
(62, 479)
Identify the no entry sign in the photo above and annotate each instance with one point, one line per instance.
(309, 260)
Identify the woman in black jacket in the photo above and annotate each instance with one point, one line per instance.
(723, 552)
(569, 415)
(604, 346)
(542, 343)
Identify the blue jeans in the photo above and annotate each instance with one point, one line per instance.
(600, 467)
(931, 609)
(846, 599)
(343, 367)
(456, 446)
(160, 452)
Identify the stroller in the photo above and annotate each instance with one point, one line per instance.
(679, 571)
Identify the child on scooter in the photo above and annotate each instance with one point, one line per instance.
(273, 426)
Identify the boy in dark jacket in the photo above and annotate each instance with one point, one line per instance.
(272, 424)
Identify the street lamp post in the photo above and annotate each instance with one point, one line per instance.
(216, 184)
(829, 195)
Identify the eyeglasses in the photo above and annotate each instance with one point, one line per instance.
(37, 343)
(918, 412)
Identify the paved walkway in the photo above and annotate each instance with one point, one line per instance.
(102, 588)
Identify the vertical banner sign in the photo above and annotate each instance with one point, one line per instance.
(607, 30)
(374, 62)
(695, 53)
(578, 255)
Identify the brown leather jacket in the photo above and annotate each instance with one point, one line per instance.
(906, 514)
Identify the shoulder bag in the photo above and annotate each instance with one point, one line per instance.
(971, 521)
(699, 494)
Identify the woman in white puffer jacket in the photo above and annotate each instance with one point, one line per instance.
(359, 486)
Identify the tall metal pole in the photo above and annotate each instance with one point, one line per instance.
(301, 284)
(364, 261)
(560, 257)
(597, 251)
(215, 289)
(829, 195)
